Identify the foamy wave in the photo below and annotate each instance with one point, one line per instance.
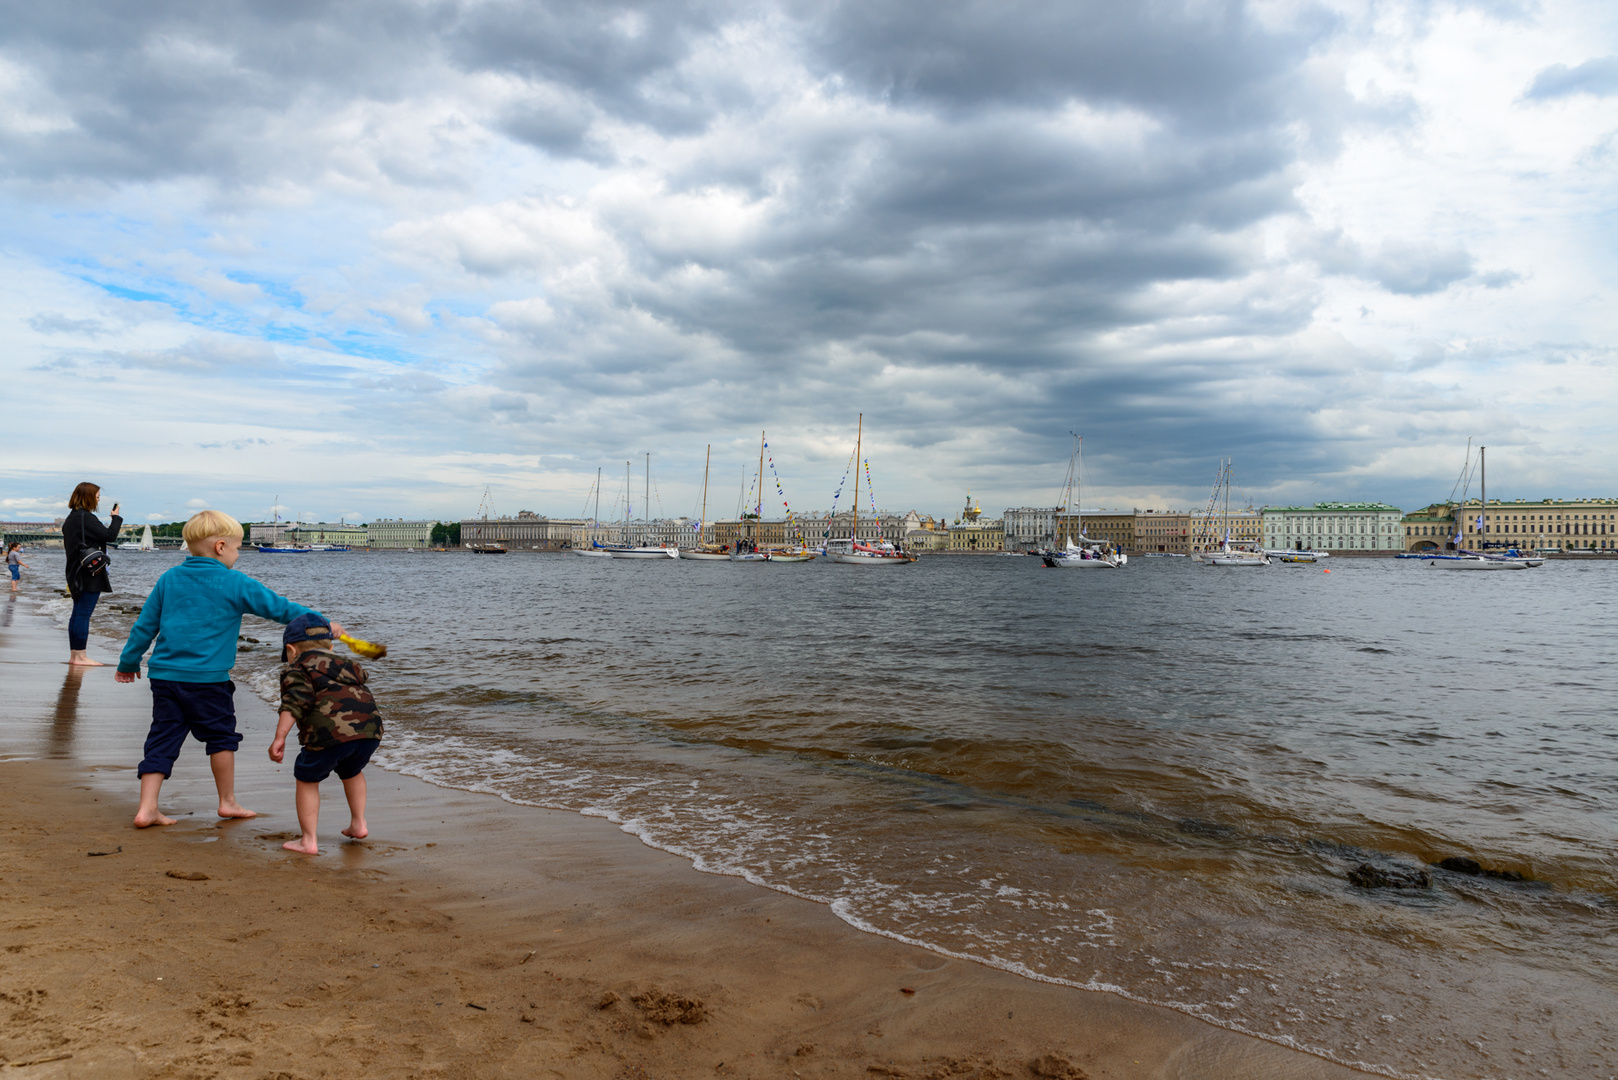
(724, 835)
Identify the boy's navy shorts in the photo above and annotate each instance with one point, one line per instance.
(346, 759)
(204, 710)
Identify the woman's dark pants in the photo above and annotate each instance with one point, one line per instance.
(78, 626)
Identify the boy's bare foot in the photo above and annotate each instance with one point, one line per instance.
(356, 831)
(302, 846)
(234, 809)
(146, 819)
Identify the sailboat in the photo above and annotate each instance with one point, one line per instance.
(852, 550)
(1481, 560)
(747, 549)
(595, 549)
(643, 551)
(281, 548)
(1227, 555)
(1086, 554)
(708, 552)
(485, 546)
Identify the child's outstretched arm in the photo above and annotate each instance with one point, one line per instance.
(263, 601)
(141, 635)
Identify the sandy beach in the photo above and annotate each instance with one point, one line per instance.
(466, 938)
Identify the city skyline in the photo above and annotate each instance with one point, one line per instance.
(258, 251)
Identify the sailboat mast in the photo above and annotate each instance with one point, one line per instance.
(758, 511)
(1078, 481)
(858, 438)
(647, 500)
(702, 524)
(1483, 501)
(598, 502)
(629, 498)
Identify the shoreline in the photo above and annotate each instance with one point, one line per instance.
(555, 913)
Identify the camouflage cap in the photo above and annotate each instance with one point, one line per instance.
(311, 627)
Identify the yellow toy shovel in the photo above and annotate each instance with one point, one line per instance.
(366, 649)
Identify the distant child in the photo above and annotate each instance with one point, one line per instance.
(338, 725)
(15, 564)
(195, 613)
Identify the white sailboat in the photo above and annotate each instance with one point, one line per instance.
(853, 551)
(1087, 554)
(1227, 555)
(1481, 560)
(143, 544)
(705, 552)
(747, 549)
(643, 551)
(595, 549)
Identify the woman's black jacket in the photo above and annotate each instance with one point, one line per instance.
(80, 532)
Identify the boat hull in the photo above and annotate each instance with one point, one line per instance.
(593, 553)
(705, 556)
(1479, 564)
(1068, 562)
(863, 559)
(748, 556)
(645, 553)
(1227, 560)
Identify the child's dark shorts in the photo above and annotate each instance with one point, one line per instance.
(346, 759)
(206, 711)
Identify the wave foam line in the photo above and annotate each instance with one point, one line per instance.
(390, 758)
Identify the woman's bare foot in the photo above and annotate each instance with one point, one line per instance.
(146, 818)
(356, 830)
(81, 658)
(303, 846)
(234, 809)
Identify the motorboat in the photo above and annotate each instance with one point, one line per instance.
(1288, 555)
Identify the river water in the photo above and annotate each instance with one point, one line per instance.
(1151, 782)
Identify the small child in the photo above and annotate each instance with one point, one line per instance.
(338, 725)
(15, 564)
(195, 614)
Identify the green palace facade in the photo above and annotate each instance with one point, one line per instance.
(1334, 526)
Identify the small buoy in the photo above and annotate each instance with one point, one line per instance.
(1325, 570)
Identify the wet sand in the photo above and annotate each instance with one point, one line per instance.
(466, 938)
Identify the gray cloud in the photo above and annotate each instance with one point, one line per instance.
(1598, 77)
(981, 224)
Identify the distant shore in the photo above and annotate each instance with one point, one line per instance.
(467, 938)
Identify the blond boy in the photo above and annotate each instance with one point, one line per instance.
(195, 614)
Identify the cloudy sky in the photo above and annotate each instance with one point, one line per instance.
(370, 257)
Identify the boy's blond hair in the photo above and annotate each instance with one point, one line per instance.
(208, 525)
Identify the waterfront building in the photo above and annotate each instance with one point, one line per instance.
(1113, 527)
(398, 534)
(1030, 528)
(1334, 526)
(1169, 532)
(970, 533)
(1564, 524)
(527, 531)
(324, 532)
(820, 526)
(932, 534)
(269, 532)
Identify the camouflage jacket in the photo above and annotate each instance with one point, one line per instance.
(326, 695)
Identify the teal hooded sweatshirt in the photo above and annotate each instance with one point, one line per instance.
(195, 613)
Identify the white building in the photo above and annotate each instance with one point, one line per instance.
(393, 534)
(1334, 527)
(1030, 528)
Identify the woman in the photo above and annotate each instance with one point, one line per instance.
(15, 564)
(82, 533)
